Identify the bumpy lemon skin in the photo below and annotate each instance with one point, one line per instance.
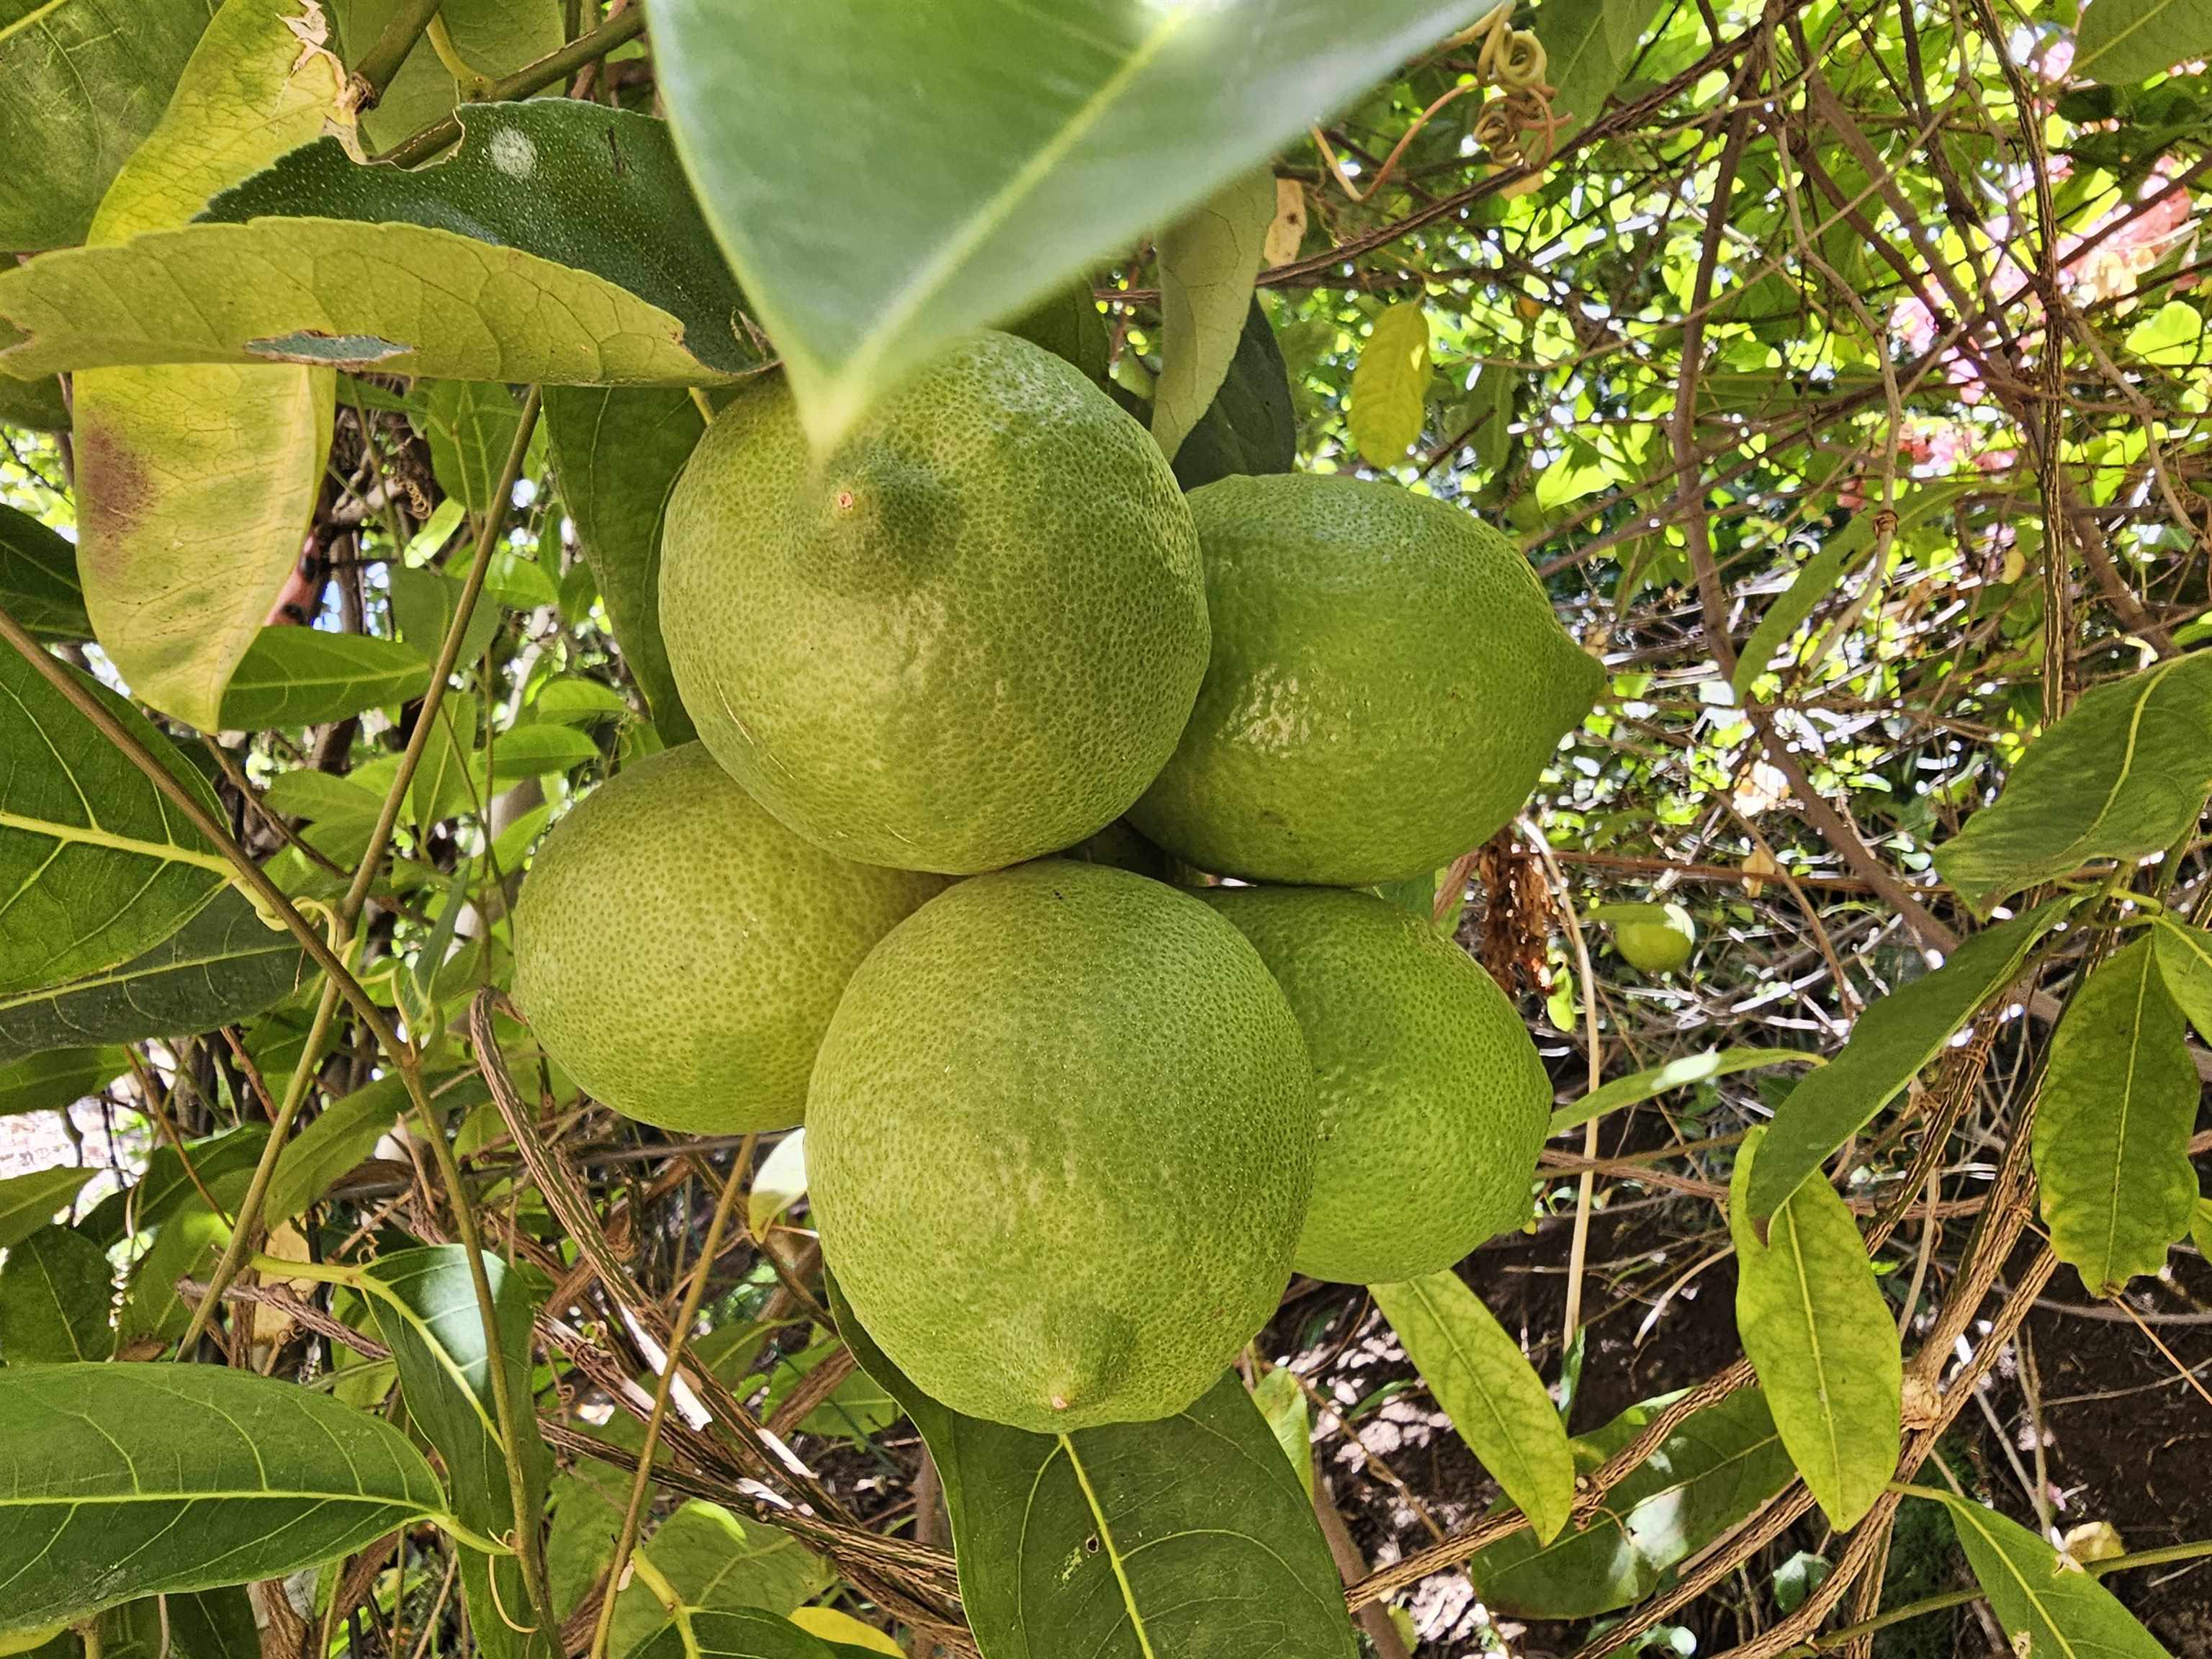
(1432, 1100)
(1059, 1145)
(679, 952)
(969, 635)
(1387, 679)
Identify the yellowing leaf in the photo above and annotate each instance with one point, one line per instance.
(1390, 386)
(1818, 1334)
(1207, 261)
(197, 482)
(1286, 234)
(832, 1626)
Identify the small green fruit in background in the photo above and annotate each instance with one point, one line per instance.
(1059, 1142)
(680, 952)
(1386, 682)
(1433, 1102)
(1652, 938)
(969, 635)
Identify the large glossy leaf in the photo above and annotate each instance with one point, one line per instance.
(1485, 1385)
(2111, 1130)
(38, 578)
(605, 198)
(718, 1564)
(86, 80)
(1208, 258)
(120, 1481)
(54, 1293)
(424, 1304)
(616, 454)
(1187, 1538)
(1708, 1475)
(1701, 1067)
(27, 1202)
(1390, 386)
(1897, 1035)
(1818, 1333)
(294, 677)
(226, 964)
(96, 863)
(965, 193)
(2124, 40)
(2046, 1605)
(2124, 775)
(1251, 427)
(45, 1082)
(492, 37)
(196, 485)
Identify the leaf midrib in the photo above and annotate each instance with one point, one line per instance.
(1113, 1550)
(2027, 1589)
(1506, 1438)
(90, 835)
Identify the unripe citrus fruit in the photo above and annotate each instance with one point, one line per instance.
(1386, 682)
(1432, 1101)
(1652, 938)
(969, 635)
(1058, 1144)
(679, 952)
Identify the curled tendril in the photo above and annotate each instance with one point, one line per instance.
(1512, 60)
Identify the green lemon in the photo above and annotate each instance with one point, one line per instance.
(1386, 682)
(969, 635)
(679, 952)
(1058, 1144)
(1433, 1103)
(1652, 938)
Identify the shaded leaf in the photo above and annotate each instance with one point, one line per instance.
(1251, 426)
(443, 783)
(1283, 1403)
(165, 1187)
(1187, 1538)
(2046, 1604)
(1208, 260)
(1679, 1073)
(856, 1408)
(1713, 1471)
(47, 1082)
(97, 864)
(1589, 46)
(422, 606)
(492, 37)
(125, 1480)
(38, 577)
(1897, 1035)
(27, 1202)
(1123, 114)
(294, 677)
(1487, 1385)
(224, 965)
(86, 81)
(2124, 775)
(2185, 962)
(1818, 1331)
(346, 1134)
(1390, 386)
(54, 1294)
(187, 1245)
(471, 426)
(216, 1624)
(2121, 42)
(718, 1564)
(2112, 1133)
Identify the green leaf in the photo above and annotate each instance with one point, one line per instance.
(295, 677)
(424, 1302)
(471, 426)
(2200, 1228)
(1390, 386)
(1589, 46)
(1251, 427)
(37, 404)
(1485, 1385)
(120, 1481)
(422, 606)
(86, 80)
(224, 965)
(1208, 260)
(165, 1187)
(97, 864)
(1707, 1476)
(2046, 1604)
(54, 1295)
(38, 578)
(1123, 114)
(27, 1202)
(2122, 41)
(187, 1245)
(492, 37)
(1092, 1542)
(1818, 1333)
(616, 454)
(856, 1408)
(1896, 1036)
(534, 750)
(1679, 1073)
(736, 1635)
(2112, 1133)
(2185, 962)
(718, 1564)
(216, 1623)
(2124, 775)
(45, 1082)
(443, 783)
(1283, 1403)
(345, 1135)
(575, 701)
(195, 485)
